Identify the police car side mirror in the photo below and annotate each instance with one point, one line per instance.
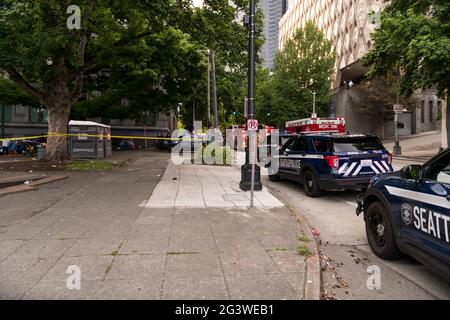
(411, 172)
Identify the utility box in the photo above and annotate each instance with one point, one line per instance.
(86, 140)
(107, 141)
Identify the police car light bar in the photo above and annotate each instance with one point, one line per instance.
(318, 125)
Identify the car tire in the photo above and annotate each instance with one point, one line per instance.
(311, 185)
(274, 177)
(380, 233)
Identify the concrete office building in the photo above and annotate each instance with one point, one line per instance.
(273, 10)
(348, 24)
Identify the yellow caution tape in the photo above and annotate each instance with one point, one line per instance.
(97, 136)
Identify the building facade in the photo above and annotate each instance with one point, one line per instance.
(348, 24)
(25, 121)
(273, 10)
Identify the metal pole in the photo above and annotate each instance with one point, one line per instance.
(397, 149)
(314, 105)
(3, 121)
(445, 121)
(251, 96)
(214, 90)
(208, 112)
(193, 116)
(145, 130)
(250, 172)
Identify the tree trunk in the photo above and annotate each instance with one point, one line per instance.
(446, 123)
(58, 119)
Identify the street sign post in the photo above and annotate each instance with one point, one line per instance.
(252, 127)
(398, 109)
(246, 108)
(251, 173)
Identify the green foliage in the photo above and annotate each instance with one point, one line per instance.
(415, 37)
(377, 96)
(215, 27)
(12, 94)
(226, 152)
(306, 62)
(147, 57)
(89, 165)
(304, 251)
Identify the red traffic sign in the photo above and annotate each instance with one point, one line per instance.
(252, 125)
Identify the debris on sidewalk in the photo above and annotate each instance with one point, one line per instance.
(315, 232)
(16, 189)
(25, 183)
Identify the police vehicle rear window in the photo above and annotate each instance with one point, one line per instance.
(322, 145)
(357, 144)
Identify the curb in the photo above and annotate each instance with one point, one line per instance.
(313, 279)
(423, 134)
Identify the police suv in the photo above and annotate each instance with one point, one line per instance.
(409, 211)
(321, 156)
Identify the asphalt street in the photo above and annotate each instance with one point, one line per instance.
(346, 254)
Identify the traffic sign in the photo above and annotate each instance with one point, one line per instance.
(252, 125)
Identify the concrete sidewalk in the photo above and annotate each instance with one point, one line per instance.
(201, 186)
(129, 245)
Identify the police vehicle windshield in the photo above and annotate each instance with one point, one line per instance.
(357, 144)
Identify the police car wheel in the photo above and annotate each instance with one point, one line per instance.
(274, 177)
(310, 184)
(380, 233)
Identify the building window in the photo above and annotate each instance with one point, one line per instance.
(45, 116)
(38, 115)
(150, 119)
(8, 113)
(35, 115)
(430, 111)
(422, 112)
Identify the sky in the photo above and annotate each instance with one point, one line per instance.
(198, 3)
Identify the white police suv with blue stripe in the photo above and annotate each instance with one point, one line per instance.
(409, 211)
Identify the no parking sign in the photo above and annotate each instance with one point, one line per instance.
(252, 125)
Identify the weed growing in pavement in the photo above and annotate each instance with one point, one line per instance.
(304, 238)
(88, 165)
(303, 250)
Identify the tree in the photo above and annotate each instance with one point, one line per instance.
(376, 97)
(304, 65)
(415, 38)
(44, 51)
(12, 94)
(215, 27)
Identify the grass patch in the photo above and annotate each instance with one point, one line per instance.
(88, 165)
(114, 253)
(303, 250)
(304, 238)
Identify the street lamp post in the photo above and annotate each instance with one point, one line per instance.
(314, 93)
(250, 172)
(3, 120)
(397, 150)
